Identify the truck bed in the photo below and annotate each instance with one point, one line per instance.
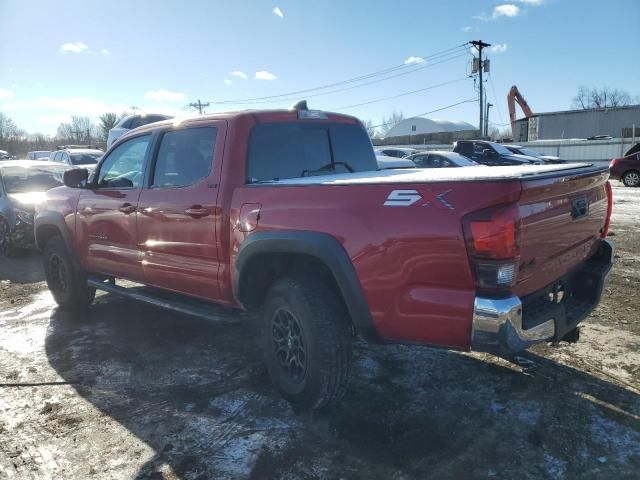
(463, 174)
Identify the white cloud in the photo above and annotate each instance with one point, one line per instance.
(105, 51)
(466, 29)
(413, 59)
(73, 47)
(6, 94)
(227, 81)
(277, 12)
(162, 95)
(239, 74)
(264, 75)
(506, 10)
(499, 48)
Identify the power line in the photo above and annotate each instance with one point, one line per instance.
(402, 94)
(442, 53)
(433, 111)
(344, 89)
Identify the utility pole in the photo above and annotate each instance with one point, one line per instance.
(486, 120)
(199, 106)
(480, 45)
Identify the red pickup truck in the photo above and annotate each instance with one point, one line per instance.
(283, 213)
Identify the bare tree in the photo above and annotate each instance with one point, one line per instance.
(371, 129)
(388, 123)
(80, 130)
(600, 98)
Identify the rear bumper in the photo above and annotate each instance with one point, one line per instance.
(509, 325)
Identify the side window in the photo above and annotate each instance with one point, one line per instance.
(436, 161)
(478, 149)
(465, 149)
(124, 166)
(64, 157)
(135, 122)
(185, 156)
(420, 160)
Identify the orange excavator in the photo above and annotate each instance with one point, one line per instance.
(513, 97)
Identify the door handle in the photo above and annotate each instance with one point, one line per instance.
(197, 211)
(127, 208)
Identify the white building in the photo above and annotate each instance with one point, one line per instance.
(420, 125)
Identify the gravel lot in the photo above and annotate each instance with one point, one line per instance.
(127, 391)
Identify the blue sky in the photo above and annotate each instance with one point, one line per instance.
(87, 57)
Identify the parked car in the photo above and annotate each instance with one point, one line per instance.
(520, 150)
(626, 169)
(396, 152)
(387, 163)
(4, 155)
(22, 186)
(39, 155)
(131, 122)
(77, 156)
(281, 213)
(492, 153)
(440, 159)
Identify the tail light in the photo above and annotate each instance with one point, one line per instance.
(492, 236)
(604, 231)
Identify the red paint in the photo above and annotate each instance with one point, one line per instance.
(412, 262)
(619, 166)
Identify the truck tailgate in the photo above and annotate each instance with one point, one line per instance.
(562, 217)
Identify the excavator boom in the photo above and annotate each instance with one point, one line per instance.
(516, 97)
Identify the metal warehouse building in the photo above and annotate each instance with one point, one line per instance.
(617, 122)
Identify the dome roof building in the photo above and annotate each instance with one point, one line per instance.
(420, 125)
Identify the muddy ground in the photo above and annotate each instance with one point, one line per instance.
(127, 391)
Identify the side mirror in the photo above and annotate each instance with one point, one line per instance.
(76, 177)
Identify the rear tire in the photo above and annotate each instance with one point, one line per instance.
(67, 283)
(307, 342)
(631, 178)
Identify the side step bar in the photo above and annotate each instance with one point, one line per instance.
(170, 301)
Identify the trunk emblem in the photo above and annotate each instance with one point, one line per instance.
(579, 208)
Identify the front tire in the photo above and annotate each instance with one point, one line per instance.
(67, 284)
(631, 178)
(307, 342)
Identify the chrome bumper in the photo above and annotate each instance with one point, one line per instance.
(498, 323)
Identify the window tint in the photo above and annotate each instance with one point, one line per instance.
(292, 150)
(185, 156)
(124, 166)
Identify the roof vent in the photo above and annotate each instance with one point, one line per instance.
(301, 105)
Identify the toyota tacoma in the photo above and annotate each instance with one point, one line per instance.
(283, 215)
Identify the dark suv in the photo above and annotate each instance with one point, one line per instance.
(492, 153)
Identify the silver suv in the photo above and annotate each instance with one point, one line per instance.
(131, 122)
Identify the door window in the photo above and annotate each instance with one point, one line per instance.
(420, 160)
(185, 156)
(124, 166)
(64, 158)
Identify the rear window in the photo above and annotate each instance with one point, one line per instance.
(293, 150)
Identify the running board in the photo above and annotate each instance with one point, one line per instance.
(170, 301)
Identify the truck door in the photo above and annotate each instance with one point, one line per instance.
(107, 212)
(178, 212)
